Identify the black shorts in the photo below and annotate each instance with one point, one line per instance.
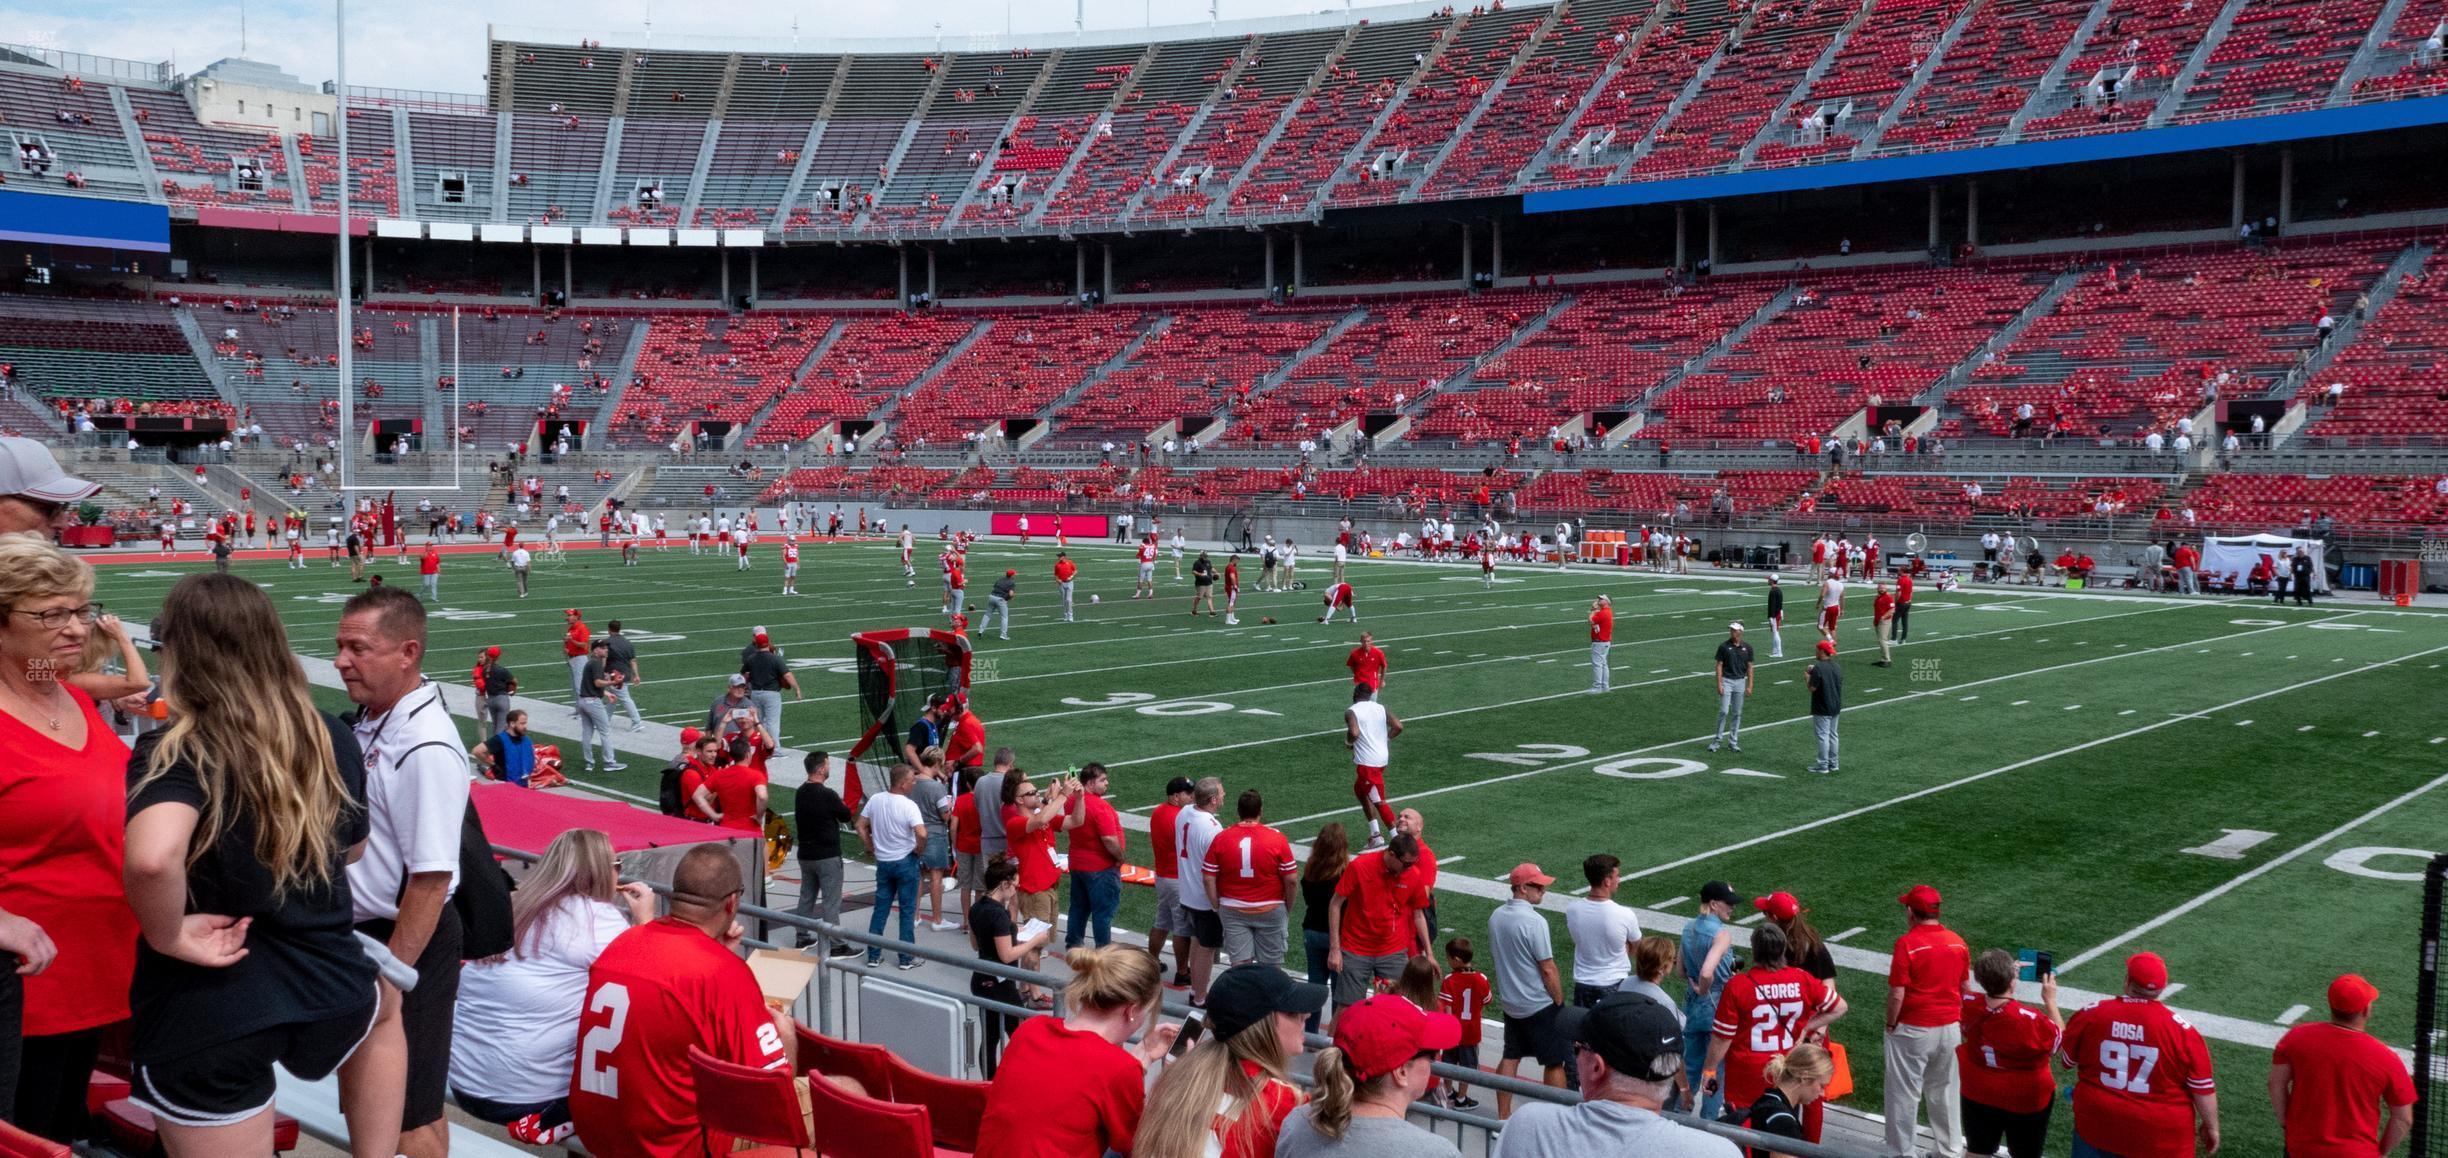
(1206, 927)
(232, 1081)
(1984, 1126)
(1465, 1056)
(1536, 1036)
(425, 1017)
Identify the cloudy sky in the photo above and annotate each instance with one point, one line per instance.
(439, 44)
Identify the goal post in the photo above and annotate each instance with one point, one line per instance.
(898, 670)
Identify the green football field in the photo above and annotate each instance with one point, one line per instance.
(2247, 789)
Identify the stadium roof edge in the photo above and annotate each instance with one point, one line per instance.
(791, 44)
(85, 63)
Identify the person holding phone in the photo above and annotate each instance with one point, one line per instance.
(2008, 1092)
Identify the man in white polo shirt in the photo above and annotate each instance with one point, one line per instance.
(1602, 933)
(893, 828)
(416, 804)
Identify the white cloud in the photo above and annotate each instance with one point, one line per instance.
(440, 44)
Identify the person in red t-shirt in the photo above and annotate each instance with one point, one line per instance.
(2007, 1090)
(1064, 572)
(1031, 817)
(1068, 1086)
(1232, 589)
(1882, 621)
(1368, 663)
(429, 566)
(2142, 1081)
(965, 739)
(1254, 879)
(968, 841)
(1375, 921)
(2328, 1080)
(1602, 640)
(1925, 986)
(1164, 855)
(657, 991)
(1097, 849)
(1464, 995)
(738, 788)
(574, 645)
(1903, 602)
(1339, 597)
(698, 751)
(1763, 1012)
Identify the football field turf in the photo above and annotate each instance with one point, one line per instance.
(2245, 789)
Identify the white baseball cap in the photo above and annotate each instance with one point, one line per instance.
(1735, 626)
(27, 468)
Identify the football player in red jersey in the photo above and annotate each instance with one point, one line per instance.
(1368, 663)
(657, 991)
(1232, 590)
(2142, 1081)
(1147, 569)
(790, 566)
(1339, 597)
(1762, 1012)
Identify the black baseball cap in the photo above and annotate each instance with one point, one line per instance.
(1245, 995)
(1719, 891)
(1180, 784)
(1629, 1030)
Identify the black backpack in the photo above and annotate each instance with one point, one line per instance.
(483, 898)
(669, 798)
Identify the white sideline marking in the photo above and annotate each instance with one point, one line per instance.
(1855, 930)
(2264, 868)
(2243, 723)
(1753, 919)
(2307, 727)
(2126, 712)
(2018, 703)
(2369, 735)
(2170, 991)
(2293, 1013)
(1670, 902)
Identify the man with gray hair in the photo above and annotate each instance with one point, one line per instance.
(1735, 679)
(992, 841)
(1195, 828)
(1626, 1051)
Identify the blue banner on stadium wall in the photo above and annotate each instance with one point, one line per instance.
(2375, 117)
(88, 221)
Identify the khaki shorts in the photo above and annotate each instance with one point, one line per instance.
(968, 870)
(1038, 905)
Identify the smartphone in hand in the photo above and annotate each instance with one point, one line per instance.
(1192, 1026)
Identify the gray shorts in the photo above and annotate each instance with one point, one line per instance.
(1353, 984)
(1168, 907)
(968, 870)
(1256, 937)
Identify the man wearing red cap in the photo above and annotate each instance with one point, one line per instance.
(999, 601)
(2328, 1080)
(767, 676)
(494, 687)
(574, 645)
(2142, 1081)
(429, 569)
(1925, 986)
(1522, 949)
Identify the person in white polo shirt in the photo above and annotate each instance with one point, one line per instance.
(1603, 933)
(892, 828)
(416, 806)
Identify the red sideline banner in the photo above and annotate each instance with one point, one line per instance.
(1090, 527)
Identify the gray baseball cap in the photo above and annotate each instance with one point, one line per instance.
(27, 468)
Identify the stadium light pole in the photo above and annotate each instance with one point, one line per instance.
(342, 316)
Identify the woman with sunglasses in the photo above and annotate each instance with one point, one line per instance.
(64, 916)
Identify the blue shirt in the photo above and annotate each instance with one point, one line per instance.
(1697, 937)
(517, 757)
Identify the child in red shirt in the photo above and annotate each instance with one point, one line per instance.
(1464, 994)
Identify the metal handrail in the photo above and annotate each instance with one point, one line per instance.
(1515, 1087)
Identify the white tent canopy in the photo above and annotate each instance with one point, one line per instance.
(2222, 554)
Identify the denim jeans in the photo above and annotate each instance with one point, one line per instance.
(1825, 726)
(1094, 897)
(1314, 942)
(896, 884)
(1699, 1013)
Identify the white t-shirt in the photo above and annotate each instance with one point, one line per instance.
(1371, 749)
(1193, 830)
(521, 558)
(416, 800)
(1832, 595)
(892, 822)
(1601, 932)
(517, 1019)
(1341, 555)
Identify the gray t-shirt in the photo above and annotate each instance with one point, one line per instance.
(930, 797)
(620, 654)
(1363, 1138)
(1519, 940)
(1545, 1130)
(990, 816)
(1648, 989)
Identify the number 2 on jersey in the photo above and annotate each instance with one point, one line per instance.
(594, 1075)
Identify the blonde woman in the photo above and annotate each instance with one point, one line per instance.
(67, 938)
(1795, 1080)
(1230, 1095)
(1068, 1085)
(515, 1035)
(1366, 1082)
(242, 816)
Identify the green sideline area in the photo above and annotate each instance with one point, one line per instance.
(2246, 789)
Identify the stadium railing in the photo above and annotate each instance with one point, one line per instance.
(829, 1001)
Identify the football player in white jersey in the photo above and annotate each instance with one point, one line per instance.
(790, 566)
(909, 544)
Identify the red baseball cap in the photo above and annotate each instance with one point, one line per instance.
(493, 653)
(569, 611)
(1526, 873)
(1779, 906)
(690, 736)
(1827, 647)
(2351, 996)
(2146, 970)
(1919, 898)
(762, 639)
(1382, 1034)
(1010, 574)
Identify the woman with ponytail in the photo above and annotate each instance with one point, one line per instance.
(242, 815)
(1068, 1087)
(1795, 1080)
(1366, 1082)
(1229, 1096)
